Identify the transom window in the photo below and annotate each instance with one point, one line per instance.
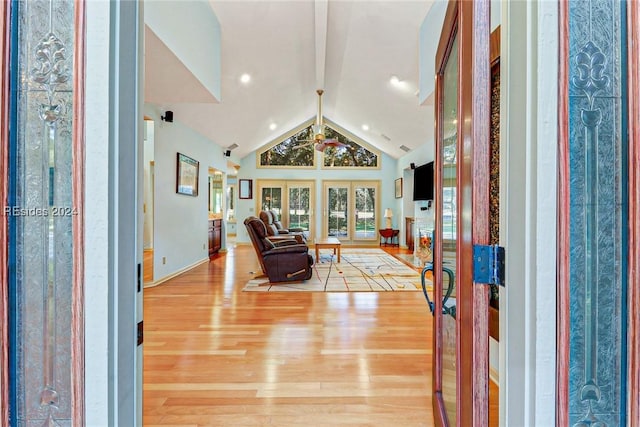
(297, 150)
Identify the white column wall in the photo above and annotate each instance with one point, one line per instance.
(96, 211)
(529, 60)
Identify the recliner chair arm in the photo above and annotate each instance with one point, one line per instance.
(286, 249)
(284, 242)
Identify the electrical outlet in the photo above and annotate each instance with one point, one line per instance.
(164, 260)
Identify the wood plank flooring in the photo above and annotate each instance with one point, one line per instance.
(215, 356)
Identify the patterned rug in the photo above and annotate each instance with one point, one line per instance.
(359, 270)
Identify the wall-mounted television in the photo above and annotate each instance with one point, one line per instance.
(423, 182)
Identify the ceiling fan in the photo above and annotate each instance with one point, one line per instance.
(319, 140)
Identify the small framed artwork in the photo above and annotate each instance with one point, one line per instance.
(398, 188)
(246, 189)
(187, 175)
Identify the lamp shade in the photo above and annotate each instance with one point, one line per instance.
(388, 213)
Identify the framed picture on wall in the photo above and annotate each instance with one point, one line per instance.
(187, 175)
(398, 188)
(246, 189)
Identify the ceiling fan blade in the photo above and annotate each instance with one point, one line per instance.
(307, 142)
(336, 144)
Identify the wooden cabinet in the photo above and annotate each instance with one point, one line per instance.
(215, 236)
(408, 230)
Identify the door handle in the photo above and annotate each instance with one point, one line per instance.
(427, 268)
(445, 309)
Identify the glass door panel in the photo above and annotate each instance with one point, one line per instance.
(365, 213)
(447, 234)
(293, 201)
(271, 199)
(299, 208)
(337, 220)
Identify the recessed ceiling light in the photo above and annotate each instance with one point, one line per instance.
(245, 78)
(273, 126)
(394, 80)
(365, 127)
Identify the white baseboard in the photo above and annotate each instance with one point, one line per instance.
(177, 273)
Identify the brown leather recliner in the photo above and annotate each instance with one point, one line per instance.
(275, 228)
(285, 261)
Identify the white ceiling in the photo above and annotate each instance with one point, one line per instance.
(289, 50)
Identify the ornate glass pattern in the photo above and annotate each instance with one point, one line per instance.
(42, 214)
(597, 279)
(494, 170)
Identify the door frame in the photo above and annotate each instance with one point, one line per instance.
(470, 21)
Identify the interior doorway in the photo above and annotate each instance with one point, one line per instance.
(231, 196)
(148, 199)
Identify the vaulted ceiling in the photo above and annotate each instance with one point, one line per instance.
(351, 49)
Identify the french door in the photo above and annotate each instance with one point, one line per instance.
(292, 200)
(350, 210)
(460, 357)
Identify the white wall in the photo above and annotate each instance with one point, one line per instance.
(529, 76)
(180, 221)
(386, 175)
(148, 193)
(429, 40)
(96, 268)
(173, 22)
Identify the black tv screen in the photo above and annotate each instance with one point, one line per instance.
(423, 182)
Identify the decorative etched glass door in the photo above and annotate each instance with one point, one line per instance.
(41, 285)
(461, 350)
(598, 215)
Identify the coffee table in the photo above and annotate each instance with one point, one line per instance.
(328, 243)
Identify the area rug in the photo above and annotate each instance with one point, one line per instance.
(359, 270)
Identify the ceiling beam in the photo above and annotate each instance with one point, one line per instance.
(321, 15)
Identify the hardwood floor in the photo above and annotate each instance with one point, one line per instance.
(147, 266)
(215, 356)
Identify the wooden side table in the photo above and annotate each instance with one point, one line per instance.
(327, 243)
(389, 236)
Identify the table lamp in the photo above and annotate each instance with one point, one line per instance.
(388, 214)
